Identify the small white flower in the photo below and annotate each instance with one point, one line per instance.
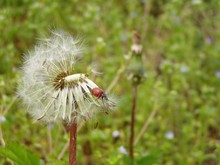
(209, 40)
(2, 119)
(144, 1)
(169, 135)
(99, 39)
(123, 150)
(184, 69)
(124, 37)
(134, 14)
(217, 74)
(196, 1)
(115, 134)
(51, 87)
(127, 56)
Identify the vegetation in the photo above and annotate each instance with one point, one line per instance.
(179, 99)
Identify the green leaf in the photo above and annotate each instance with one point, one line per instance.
(57, 162)
(148, 159)
(20, 155)
(127, 160)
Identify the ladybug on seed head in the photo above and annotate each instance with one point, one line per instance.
(99, 93)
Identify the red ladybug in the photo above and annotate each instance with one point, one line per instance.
(99, 93)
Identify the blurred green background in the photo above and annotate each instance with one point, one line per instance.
(182, 60)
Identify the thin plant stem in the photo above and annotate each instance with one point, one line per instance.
(66, 146)
(72, 148)
(144, 128)
(9, 106)
(134, 95)
(1, 137)
(2, 141)
(118, 76)
(49, 137)
(149, 119)
(116, 79)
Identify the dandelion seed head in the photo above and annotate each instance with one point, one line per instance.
(51, 87)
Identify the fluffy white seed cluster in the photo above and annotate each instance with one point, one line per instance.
(52, 89)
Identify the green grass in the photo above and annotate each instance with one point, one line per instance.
(181, 57)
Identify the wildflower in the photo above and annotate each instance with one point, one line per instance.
(2, 119)
(196, 1)
(217, 74)
(127, 56)
(143, 1)
(124, 37)
(133, 14)
(99, 39)
(51, 87)
(209, 40)
(169, 135)
(184, 69)
(116, 134)
(123, 150)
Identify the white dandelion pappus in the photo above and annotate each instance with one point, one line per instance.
(52, 89)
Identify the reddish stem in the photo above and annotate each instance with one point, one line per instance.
(73, 134)
(134, 95)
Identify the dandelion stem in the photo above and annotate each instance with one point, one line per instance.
(66, 146)
(134, 95)
(73, 134)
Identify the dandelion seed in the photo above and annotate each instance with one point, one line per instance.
(51, 87)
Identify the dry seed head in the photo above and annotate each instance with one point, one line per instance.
(52, 89)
